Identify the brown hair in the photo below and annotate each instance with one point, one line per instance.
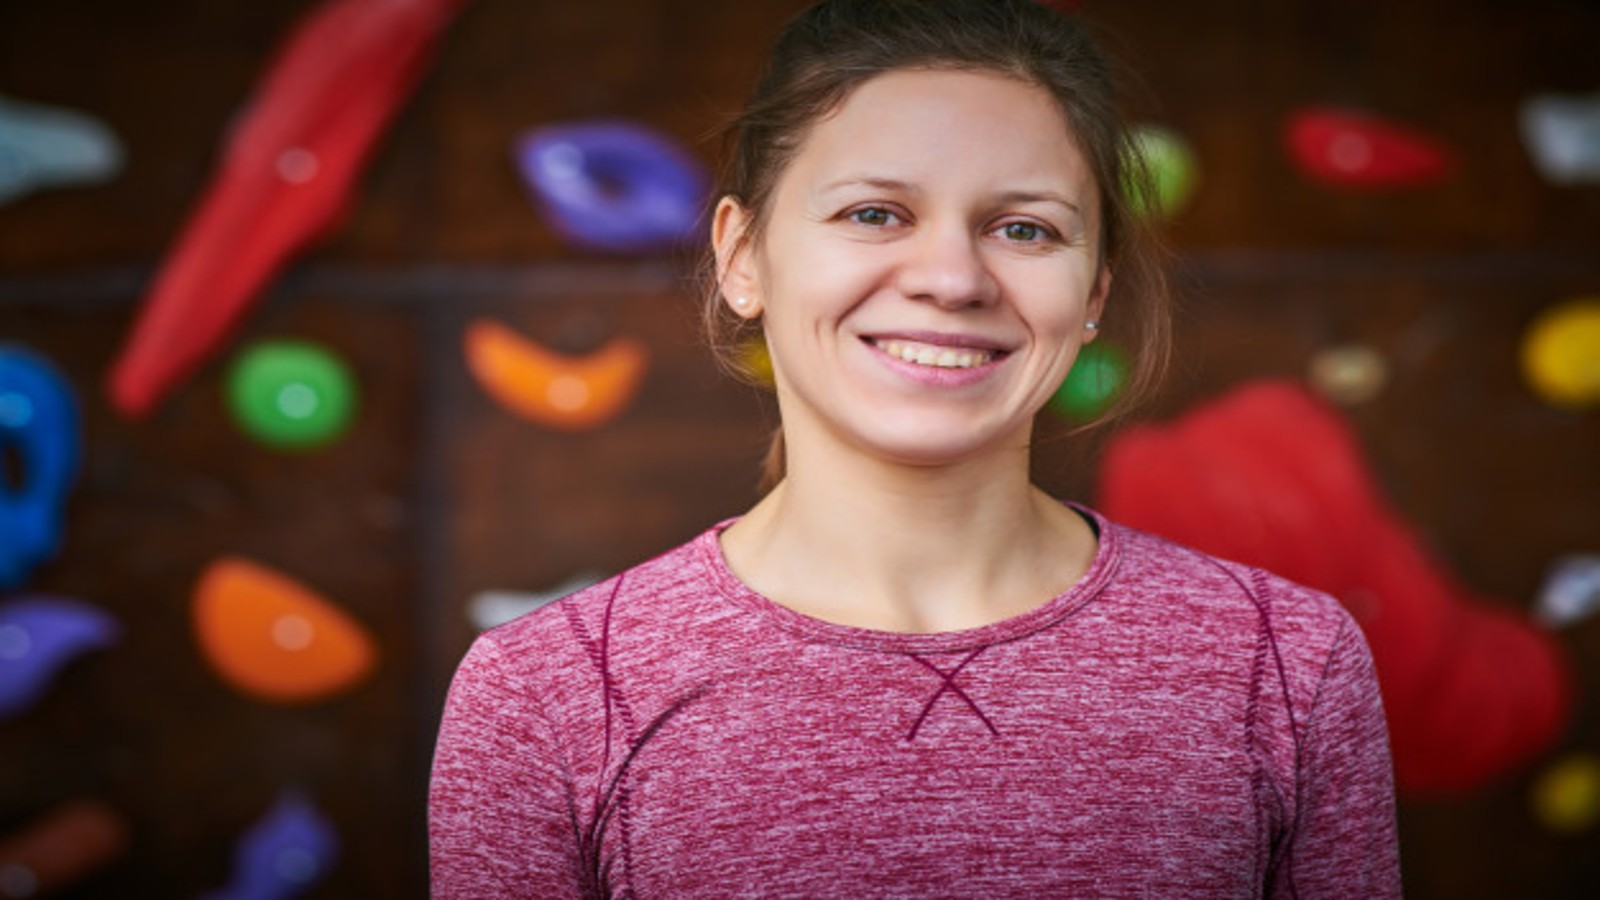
(837, 45)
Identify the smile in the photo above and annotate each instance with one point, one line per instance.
(935, 356)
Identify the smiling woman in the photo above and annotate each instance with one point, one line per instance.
(903, 240)
(907, 670)
(823, 58)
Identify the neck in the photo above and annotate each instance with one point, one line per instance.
(862, 541)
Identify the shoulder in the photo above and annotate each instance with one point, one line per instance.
(669, 573)
(1307, 658)
(635, 640)
(1154, 563)
(652, 604)
(1297, 629)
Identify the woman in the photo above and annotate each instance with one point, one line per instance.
(907, 671)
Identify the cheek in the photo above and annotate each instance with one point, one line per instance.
(1056, 301)
(815, 280)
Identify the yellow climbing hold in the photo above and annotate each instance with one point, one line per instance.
(1561, 354)
(1566, 797)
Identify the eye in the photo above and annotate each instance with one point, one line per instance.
(873, 216)
(1024, 232)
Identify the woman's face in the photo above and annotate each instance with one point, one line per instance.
(928, 263)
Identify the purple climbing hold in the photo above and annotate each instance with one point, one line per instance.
(614, 186)
(284, 854)
(39, 636)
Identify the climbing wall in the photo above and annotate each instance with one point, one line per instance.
(254, 601)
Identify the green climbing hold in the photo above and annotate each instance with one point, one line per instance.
(1096, 379)
(1173, 172)
(291, 395)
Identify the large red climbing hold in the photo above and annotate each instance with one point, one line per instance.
(1271, 476)
(285, 177)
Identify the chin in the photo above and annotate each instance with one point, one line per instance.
(936, 450)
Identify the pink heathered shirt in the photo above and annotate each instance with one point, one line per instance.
(1172, 726)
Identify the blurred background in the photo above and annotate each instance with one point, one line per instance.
(309, 370)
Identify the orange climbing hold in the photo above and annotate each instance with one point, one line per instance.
(275, 639)
(571, 393)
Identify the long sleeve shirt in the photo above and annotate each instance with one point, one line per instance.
(1171, 726)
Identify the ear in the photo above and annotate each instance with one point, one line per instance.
(1097, 301)
(736, 272)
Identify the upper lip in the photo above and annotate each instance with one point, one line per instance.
(941, 339)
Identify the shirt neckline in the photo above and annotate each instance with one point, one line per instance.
(1107, 553)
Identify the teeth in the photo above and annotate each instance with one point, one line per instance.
(938, 357)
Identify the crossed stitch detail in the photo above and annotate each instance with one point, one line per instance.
(948, 683)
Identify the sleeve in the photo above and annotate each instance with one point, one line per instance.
(499, 817)
(1344, 842)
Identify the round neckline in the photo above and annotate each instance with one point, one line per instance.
(1107, 552)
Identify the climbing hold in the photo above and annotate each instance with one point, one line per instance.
(1472, 689)
(275, 639)
(39, 423)
(284, 178)
(490, 608)
(39, 636)
(291, 394)
(61, 848)
(1349, 373)
(284, 854)
(1563, 137)
(1566, 796)
(1097, 377)
(45, 146)
(572, 393)
(1172, 169)
(1571, 590)
(1561, 354)
(1357, 150)
(614, 186)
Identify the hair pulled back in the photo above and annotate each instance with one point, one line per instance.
(834, 47)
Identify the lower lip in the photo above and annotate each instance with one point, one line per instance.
(936, 376)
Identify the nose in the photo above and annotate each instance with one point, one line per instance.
(945, 266)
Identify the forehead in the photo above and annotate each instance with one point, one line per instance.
(945, 126)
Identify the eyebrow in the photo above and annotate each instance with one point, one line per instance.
(1010, 197)
(885, 184)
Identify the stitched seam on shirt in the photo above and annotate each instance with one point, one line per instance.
(948, 683)
(1255, 591)
(600, 656)
(1260, 756)
(1339, 637)
(1287, 859)
(1346, 624)
(709, 558)
(1268, 640)
(624, 806)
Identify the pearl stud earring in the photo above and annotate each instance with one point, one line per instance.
(1092, 325)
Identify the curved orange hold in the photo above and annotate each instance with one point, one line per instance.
(571, 393)
(275, 639)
